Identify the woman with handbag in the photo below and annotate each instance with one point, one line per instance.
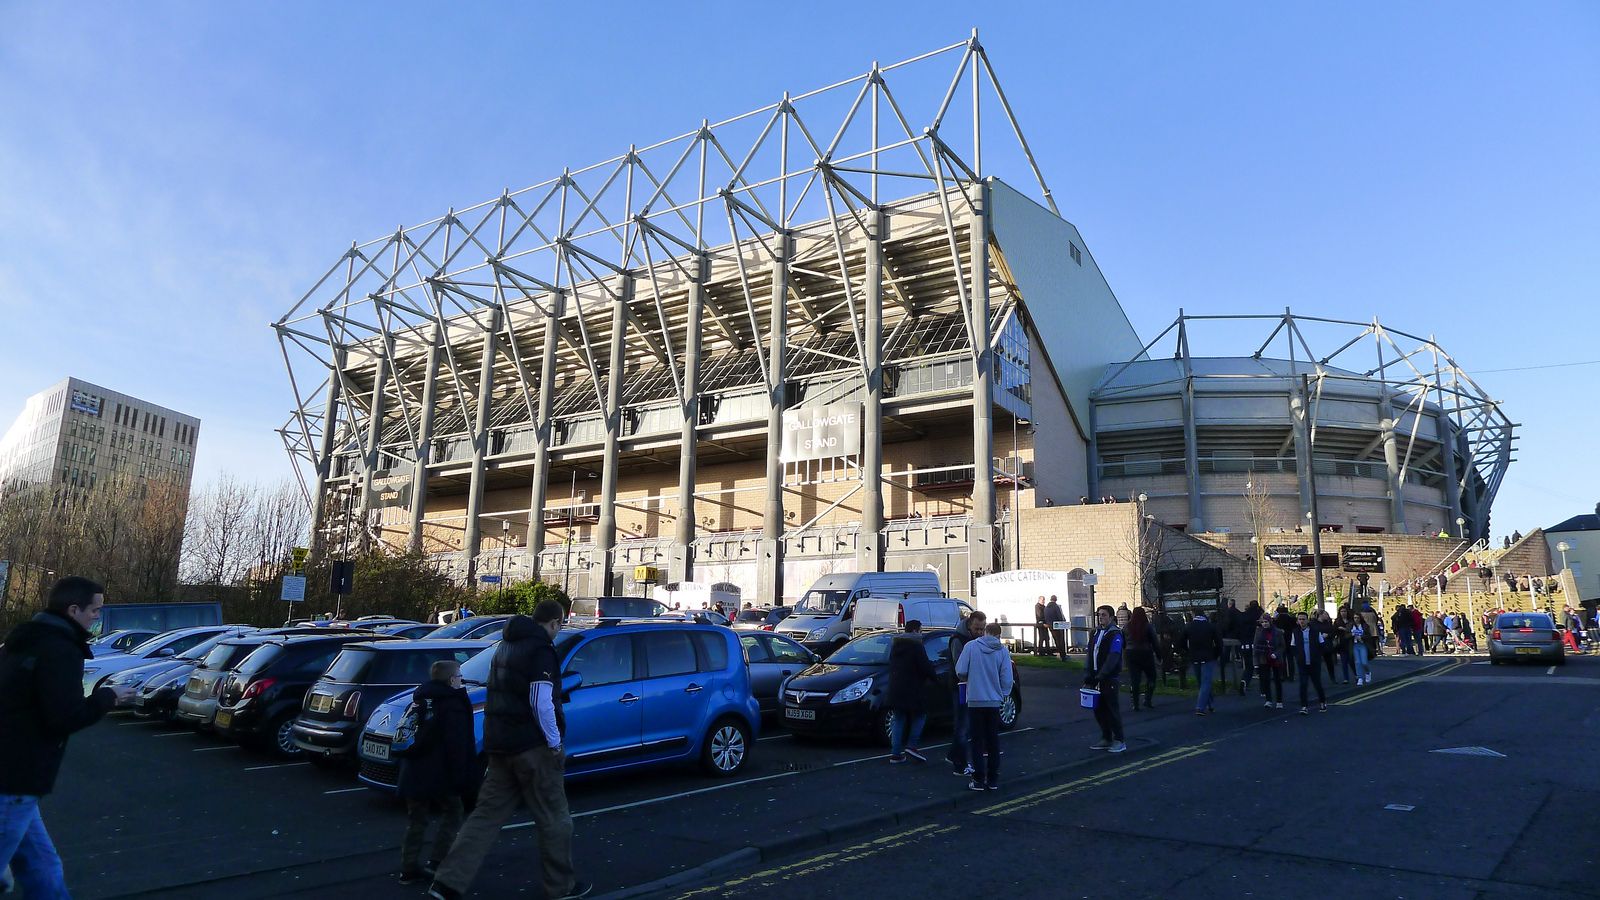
(1271, 650)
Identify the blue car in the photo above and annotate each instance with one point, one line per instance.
(637, 694)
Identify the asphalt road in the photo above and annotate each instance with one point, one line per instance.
(1360, 801)
(1243, 801)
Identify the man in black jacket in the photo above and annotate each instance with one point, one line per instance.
(440, 768)
(1041, 629)
(1204, 646)
(522, 736)
(971, 629)
(1305, 647)
(910, 670)
(1102, 669)
(1284, 622)
(1054, 616)
(41, 704)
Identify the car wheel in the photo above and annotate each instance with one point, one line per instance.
(727, 746)
(1011, 710)
(280, 737)
(884, 733)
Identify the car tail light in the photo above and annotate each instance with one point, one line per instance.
(902, 614)
(353, 704)
(1497, 634)
(1525, 630)
(257, 688)
(766, 628)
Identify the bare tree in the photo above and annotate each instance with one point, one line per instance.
(219, 531)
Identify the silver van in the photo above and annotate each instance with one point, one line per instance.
(822, 618)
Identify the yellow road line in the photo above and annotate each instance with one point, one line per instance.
(1389, 689)
(825, 860)
(1034, 799)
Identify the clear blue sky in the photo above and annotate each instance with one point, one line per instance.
(174, 176)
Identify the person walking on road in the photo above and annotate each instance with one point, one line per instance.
(1143, 652)
(1244, 633)
(1227, 624)
(1416, 631)
(1401, 623)
(909, 671)
(1344, 644)
(959, 733)
(1284, 623)
(41, 705)
(523, 729)
(1306, 644)
(1270, 650)
(1205, 647)
(1104, 667)
(1052, 616)
(1361, 648)
(986, 666)
(439, 770)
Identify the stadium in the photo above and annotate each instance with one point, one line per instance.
(850, 330)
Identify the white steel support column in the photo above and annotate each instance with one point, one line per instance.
(869, 549)
(424, 448)
(480, 448)
(1304, 464)
(543, 427)
(680, 565)
(981, 551)
(371, 457)
(769, 575)
(605, 539)
(330, 419)
(1391, 463)
(1452, 479)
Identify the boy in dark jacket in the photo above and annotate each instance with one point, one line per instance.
(438, 769)
(41, 704)
(909, 671)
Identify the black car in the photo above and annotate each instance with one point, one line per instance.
(262, 695)
(363, 676)
(471, 628)
(844, 696)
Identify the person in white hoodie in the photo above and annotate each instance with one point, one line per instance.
(986, 667)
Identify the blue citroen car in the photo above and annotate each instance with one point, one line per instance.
(637, 694)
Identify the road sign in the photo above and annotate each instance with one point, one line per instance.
(646, 574)
(1091, 579)
(298, 557)
(343, 577)
(489, 579)
(294, 588)
(1361, 558)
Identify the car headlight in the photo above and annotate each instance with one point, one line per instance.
(817, 634)
(852, 693)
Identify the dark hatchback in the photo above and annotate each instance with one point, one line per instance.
(361, 678)
(844, 696)
(262, 696)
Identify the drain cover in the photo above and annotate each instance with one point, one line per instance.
(1471, 751)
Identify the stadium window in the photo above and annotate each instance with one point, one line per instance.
(1077, 255)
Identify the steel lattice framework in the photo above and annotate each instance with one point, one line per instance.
(753, 250)
(1413, 375)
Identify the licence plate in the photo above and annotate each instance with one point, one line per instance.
(223, 718)
(808, 715)
(375, 750)
(1531, 651)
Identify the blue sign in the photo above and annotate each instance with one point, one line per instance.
(489, 579)
(294, 588)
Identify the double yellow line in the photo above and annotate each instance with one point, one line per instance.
(1395, 686)
(821, 861)
(1091, 781)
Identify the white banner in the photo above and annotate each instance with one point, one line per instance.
(821, 432)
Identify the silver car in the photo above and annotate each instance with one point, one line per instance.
(1530, 636)
(773, 659)
(197, 705)
(162, 646)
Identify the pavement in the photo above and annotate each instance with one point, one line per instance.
(1244, 800)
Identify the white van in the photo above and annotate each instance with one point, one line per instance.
(880, 613)
(822, 618)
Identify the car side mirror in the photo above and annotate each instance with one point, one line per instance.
(570, 682)
(166, 651)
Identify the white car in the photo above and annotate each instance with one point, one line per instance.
(162, 646)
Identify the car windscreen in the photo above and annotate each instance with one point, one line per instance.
(1524, 620)
(872, 649)
(225, 655)
(753, 615)
(259, 659)
(457, 628)
(203, 649)
(476, 669)
(352, 665)
(151, 645)
(821, 603)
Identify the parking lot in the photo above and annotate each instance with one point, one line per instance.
(146, 808)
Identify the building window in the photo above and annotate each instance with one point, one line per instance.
(1077, 255)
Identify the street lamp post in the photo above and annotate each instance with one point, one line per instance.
(1311, 478)
(1562, 547)
(505, 540)
(1140, 546)
(1461, 528)
(572, 505)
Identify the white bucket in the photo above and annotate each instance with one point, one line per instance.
(1088, 698)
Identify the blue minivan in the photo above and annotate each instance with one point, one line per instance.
(637, 694)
